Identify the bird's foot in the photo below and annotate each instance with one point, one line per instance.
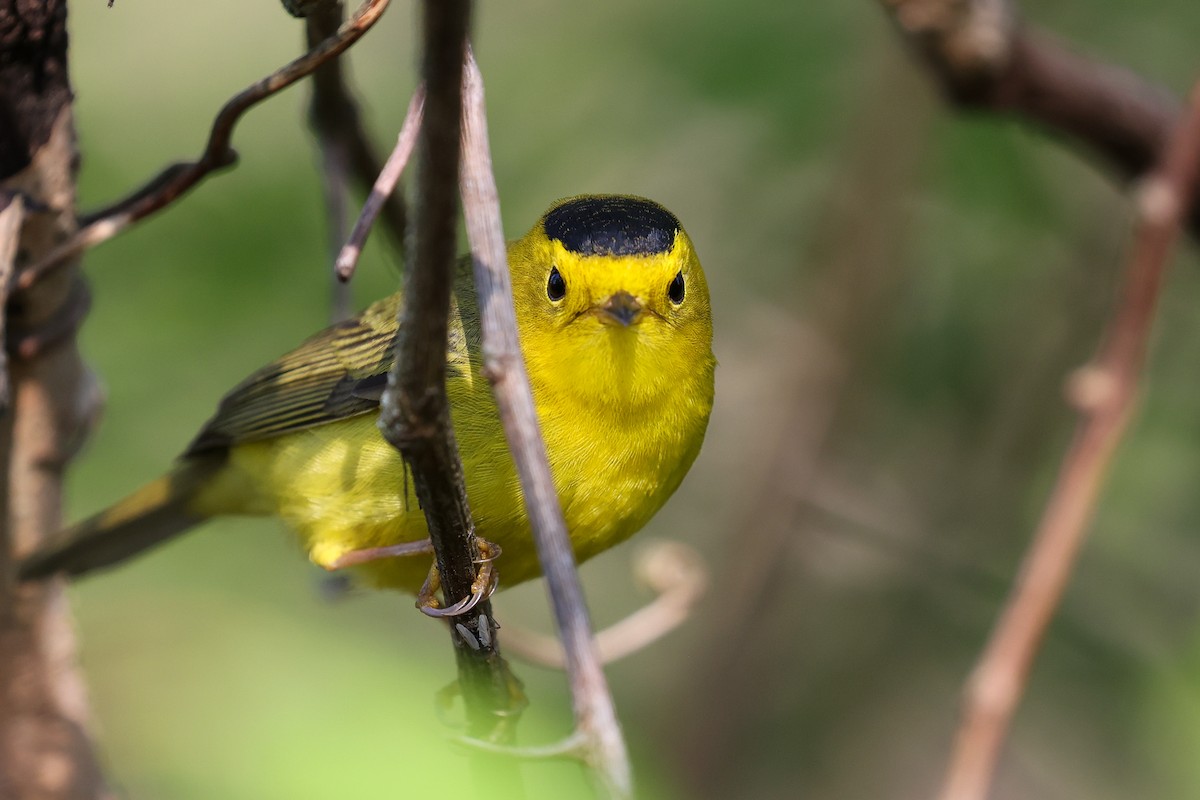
(484, 585)
(368, 554)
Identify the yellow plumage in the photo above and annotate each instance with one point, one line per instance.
(615, 326)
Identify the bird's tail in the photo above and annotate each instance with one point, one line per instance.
(156, 512)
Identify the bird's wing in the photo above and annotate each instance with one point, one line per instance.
(338, 373)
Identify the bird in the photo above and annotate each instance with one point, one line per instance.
(615, 324)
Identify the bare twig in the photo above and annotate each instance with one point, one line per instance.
(384, 188)
(415, 409)
(676, 574)
(415, 413)
(504, 366)
(320, 22)
(12, 213)
(177, 179)
(987, 59)
(347, 151)
(45, 745)
(1105, 395)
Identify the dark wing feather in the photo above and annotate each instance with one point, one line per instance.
(336, 374)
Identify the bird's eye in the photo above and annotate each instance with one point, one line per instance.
(675, 290)
(556, 287)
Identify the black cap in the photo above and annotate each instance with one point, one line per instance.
(613, 225)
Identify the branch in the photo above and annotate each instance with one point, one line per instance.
(595, 717)
(987, 59)
(12, 213)
(1105, 395)
(322, 22)
(347, 151)
(415, 414)
(177, 179)
(385, 185)
(672, 570)
(45, 744)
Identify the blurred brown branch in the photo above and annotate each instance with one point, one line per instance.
(677, 576)
(46, 749)
(176, 180)
(346, 150)
(12, 214)
(1104, 393)
(598, 739)
(329, 93)
(986, 58)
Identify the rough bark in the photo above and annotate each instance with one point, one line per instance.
(45, 748)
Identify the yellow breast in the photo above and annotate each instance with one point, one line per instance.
(341, 487)
(616, 330)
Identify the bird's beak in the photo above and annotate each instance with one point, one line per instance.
(621, 309)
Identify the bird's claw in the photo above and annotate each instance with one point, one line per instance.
(353, 558)
(486, 581)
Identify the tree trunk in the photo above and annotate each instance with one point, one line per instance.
(48, 398)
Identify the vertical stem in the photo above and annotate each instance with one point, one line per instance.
(418, 381)
(1106, 396)
(415, 414)
(45, 749)
(347, 153)
(595, 716)
(12, 215)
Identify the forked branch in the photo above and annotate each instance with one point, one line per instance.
(177, 179)
(1105, 394)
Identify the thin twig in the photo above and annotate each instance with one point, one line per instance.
(1105, 394)
(595, 716)
(321, 22)
(986, 58)
(415, 413)
(676, 574)
(12, 212)
(336, 116)
(335, 103)
(177, 179)
(336, 191)
(384, 188)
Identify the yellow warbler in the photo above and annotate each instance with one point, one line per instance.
(616, 329)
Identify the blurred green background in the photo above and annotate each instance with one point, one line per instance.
(899, 294)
